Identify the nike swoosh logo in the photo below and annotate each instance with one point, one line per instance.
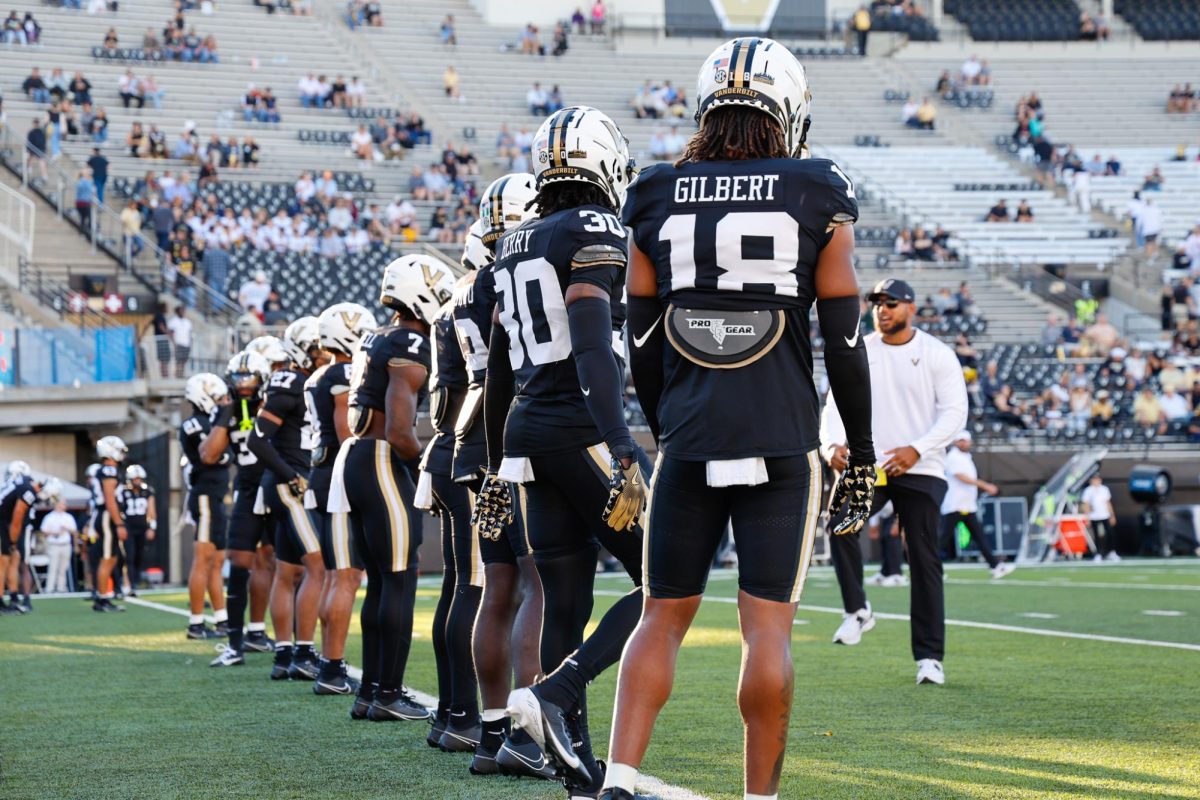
(539, 764)
(459, 714)
(638, 341)
(852, 342)
(586, 392)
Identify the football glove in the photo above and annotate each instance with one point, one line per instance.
(626, 496)
(852, 499)
(298, 485)
(493, 507)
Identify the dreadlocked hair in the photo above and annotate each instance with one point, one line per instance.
(735, 134)
(555, 197)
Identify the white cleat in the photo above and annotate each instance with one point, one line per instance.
(930, 671)
(526, 714)
(895, 581)
(1002, 569)
(854, 626)
(1112, 556)
(878, 579)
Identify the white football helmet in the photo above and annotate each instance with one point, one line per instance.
(505, 205)
(300, 339)
(51, 491)
(135, 472)
(580, 143)
(203, 390)
(421, 284)
(270, 348)
(248, 372)
(111, 447)
(19, 469)
(475, 253)
(762, 74)
(342, 327)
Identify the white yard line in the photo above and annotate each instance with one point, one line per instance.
(1061, 584)
(990, 626)
(647, 784)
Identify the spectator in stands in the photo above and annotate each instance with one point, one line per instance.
(861, 23)
(970, 69)
(1079, 189)
(964, 302)
(131, 229)
(1181, 100)
(538, 100)
(561, 40)
(1103, 409)
(448, 33)
(1052, 330)
(599, 17)
(304, 188)
(249, 152)
(1150, 226)
(555, 100)
(253, 293)
(331, 245)
(362, 145)
(945, 302)
(1103, 335)
(34, 87)
(337, 92)
(130, 89)
(14, 30)
(1154, 181)
(1079, 408)
(356, 93)
(111, 40)
(1133, 212)
(327, 187)
(450, 82)
(647, 102)
(373, 13)
(1024, 211)
(926, 115)
(150, 42)
(1096, 166)
(341, 216)
(1004, 409)
(922, 245)
(85, 195)
(927, 312)
(310, 91)
(135, 140)
(908, 113)
(998, 212)
(1112, 166)
(180, 328)
(968, 356)
(903, 245)
(1174, 405)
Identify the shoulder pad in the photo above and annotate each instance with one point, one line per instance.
(108, 471)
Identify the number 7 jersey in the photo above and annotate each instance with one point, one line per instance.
(735, 246)
(535, 264)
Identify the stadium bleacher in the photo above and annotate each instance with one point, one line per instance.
(1018, 20)
(1162, 20)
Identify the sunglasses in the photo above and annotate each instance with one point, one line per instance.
(886, 303)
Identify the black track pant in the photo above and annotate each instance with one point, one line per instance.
(970, 520)
(917, 500)
(135, 552)
(462, 588)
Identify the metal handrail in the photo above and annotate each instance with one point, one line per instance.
(55, 295)
(18, 222)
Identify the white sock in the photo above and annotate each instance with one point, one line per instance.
(256, 627)
(195, 619)
(492, 715)
(303, 644)
(762, 796)
(284, 645)
(621, 776)
(221, 616)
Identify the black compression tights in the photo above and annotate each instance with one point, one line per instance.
(398, 592)
(236, 599)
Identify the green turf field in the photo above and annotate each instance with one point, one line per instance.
(123, 706)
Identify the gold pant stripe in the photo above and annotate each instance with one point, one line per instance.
(646, 526)
(300, 520)
(341, 539)
(523, 521)
(204, 524)
(106, 537)
(812, 511)
(476, 576)
(394, 501)
(599, 453)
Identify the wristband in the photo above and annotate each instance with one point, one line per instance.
(153, 524)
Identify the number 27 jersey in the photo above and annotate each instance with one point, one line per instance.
(735, 243)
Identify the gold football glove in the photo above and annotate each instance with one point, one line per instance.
(298, 486)
(626, 496)
(493, 507)
(852, 499)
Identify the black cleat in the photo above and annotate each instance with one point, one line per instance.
(228, 658)
(281, 670)
(201, 631)
(402, 707)
(258, 642)
(483, 762)
(547, 724)
(221, 628)
(338, 684)
(434, 739)
(107, 606)
(523, 758)
(304, 668)
(362, 702)
(613, 793)
(12, 611)
(461, 735)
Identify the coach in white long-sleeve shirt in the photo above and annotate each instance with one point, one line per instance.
(918, 404)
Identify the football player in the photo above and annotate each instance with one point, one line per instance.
(371, 481)
(341, 328)
(250, 540)
(208, 454)
(89, 533)
(278, 440)
(108, 531)
(18, 495)
(553, 358)
(136, 499)
(508, 626)
(732, 246)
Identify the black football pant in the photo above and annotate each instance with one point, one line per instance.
(970, 521)
(135, 553)
(462, 588)
(917, 500)
(891, 549)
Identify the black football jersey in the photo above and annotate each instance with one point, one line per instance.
(474, 301)
(448, 382)
(391, 346)
(105, 473)
(241, 425)
(210, 479)
(532, 272)
(739, 236)
(11, 492)
(319, 389)
(285, 399)
(135, 503)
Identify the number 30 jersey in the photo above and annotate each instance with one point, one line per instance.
(735, 247)
(535, 264)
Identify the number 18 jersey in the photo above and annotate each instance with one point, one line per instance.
(535, 264)
(728, 239)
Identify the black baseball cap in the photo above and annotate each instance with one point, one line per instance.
(893, 288)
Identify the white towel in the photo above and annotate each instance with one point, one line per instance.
(260, 503)
(338, 502)
(737, 472)
(424, 496)
(516, 470)
(310, 499)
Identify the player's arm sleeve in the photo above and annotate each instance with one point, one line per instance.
(497, 396)
(646, 341)
(600, 375)
(832, 432)
(950, 400)
(259, 442)
(849, 373)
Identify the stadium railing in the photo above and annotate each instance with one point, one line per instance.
(17, 218)
(66, 357)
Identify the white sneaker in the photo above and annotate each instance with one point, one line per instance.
(1112, 556)
(930, 671)
(1097, 558)
(1002, 569)
(878, 579)
(894, 581)
(854, 626)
